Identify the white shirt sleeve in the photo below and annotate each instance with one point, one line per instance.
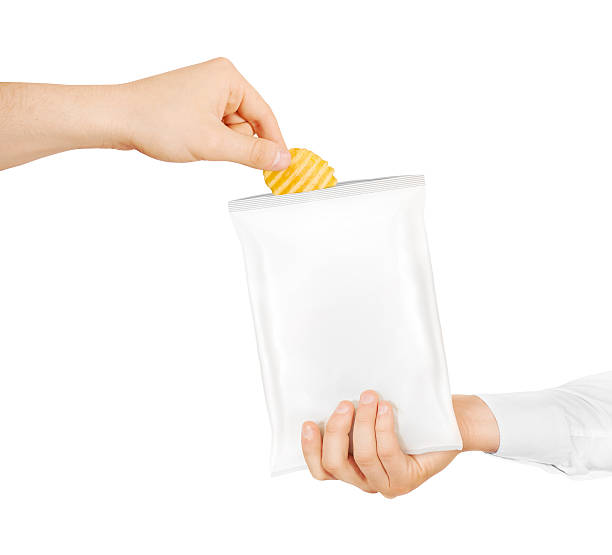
(566, 429)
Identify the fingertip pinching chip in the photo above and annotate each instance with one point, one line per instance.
(306, 172)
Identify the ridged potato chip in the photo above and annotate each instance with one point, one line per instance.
(306, 172)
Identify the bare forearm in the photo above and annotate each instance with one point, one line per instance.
(37, 120)
(477, 424)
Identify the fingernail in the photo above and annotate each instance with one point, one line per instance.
(383, 408)
(281, 161)
(342, 408)
(367, 397)
(307, 432)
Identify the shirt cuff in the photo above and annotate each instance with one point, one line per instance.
(532, 427)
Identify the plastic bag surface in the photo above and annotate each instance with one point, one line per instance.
(343, 300)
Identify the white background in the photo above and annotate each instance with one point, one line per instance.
(132, 417)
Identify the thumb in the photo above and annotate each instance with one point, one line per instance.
(432, 463)
(251, 151)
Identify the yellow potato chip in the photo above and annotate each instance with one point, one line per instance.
(306, 172)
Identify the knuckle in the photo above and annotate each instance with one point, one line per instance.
(334, 426)
(364, 458)
(369, 489)
(391, 492)
(385, 452)
(331, 465)
(223, 62)
(258, 153)
(362, 417)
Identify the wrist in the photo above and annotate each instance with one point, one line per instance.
(477, 424)
(99, 116)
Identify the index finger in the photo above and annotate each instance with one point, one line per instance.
(387, 444)
(254, 109)
(311, 448)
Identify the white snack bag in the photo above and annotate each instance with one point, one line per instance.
(343, 300)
